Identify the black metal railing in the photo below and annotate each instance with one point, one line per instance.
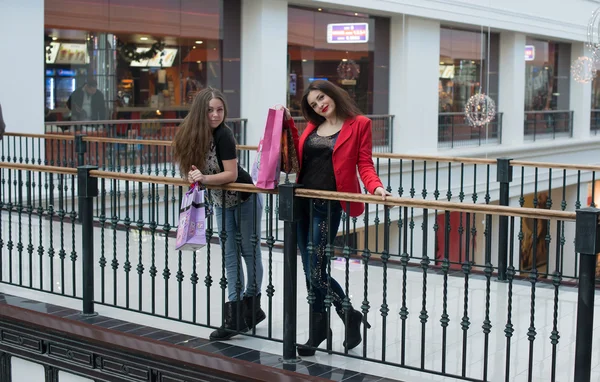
(382, 131)
(139, 129)
(422, 272)
(548, 124)
(595, 122)
(455, 131)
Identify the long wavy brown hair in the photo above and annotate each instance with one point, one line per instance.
(192, 141)
(345, 107)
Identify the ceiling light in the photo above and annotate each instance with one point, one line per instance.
(344, 59)
(199, 42)
(442, 63)
(194, 47)
(198, 62)
(304, 60)
(54, 38)
(355, 14)
(320, 9)
(143, 38)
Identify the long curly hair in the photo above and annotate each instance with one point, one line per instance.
(345, 107)
(194, 136)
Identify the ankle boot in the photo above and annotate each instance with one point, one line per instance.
(253, 314)
(317, 335)
(234, 322)
(352, 324)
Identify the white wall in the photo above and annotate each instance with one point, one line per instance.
(22, 69)
(414, 72)
(557, 18)
(263, 61)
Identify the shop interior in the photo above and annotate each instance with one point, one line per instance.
(152, 75)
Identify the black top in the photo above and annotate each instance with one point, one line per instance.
(98, 106)
(223, 148)
(317, 162)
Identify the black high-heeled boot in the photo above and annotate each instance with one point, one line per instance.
(317, 335)
(353, 337)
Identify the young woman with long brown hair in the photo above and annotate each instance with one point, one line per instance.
(205, 149)
(336, 142)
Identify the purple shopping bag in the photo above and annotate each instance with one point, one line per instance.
(191, 232)
(266, 168)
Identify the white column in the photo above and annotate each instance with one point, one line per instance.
(414, 74)
(511, 92)
(263, 61)
(580, 98)
(22, 81)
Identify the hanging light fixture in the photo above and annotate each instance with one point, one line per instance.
(583, 69)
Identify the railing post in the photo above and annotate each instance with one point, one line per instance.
(288, 212)
(80, 149)
(587, 244)
(87, 188)
(504, 175)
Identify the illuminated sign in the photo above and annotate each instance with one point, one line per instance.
(347, 33)
(529, 52)
(167, 55)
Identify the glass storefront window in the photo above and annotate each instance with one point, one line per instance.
(347, 48)
(148, 57)
(464, 67)
(547, 75)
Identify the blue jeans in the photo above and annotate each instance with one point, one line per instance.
(315, 262)
(239, 220)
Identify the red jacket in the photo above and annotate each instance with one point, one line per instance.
(353, 148)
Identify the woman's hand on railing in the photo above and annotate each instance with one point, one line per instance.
(381, 191)
(195, 175)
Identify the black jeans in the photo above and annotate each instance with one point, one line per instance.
(315, 262)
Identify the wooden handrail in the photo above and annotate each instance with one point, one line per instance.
(393, 156)
(145, 142)
(36, 168)
(44, 136)
(392, 201)
(328, 195)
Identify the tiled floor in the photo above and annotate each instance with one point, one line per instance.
(223, 348)
(190, 307)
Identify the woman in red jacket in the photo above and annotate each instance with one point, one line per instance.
(335, 143)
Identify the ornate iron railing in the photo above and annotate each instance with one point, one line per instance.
(548, 124)
(455, 131)
(382, 131)
(426, 269)
(138, 129)
(595, 122)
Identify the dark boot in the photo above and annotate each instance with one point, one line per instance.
(353, 337)
(234, 322)
(317, 335)
(253, 314)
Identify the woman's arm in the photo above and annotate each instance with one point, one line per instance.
(228, 175)
(366, 169)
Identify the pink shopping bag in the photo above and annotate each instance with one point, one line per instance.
(265, 171)
(191, 231)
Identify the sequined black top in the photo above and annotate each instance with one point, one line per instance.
(317, 163)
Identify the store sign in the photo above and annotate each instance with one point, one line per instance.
(348, 33)
(447, 71)
(74, 54)
(52, 52)
(529, 52)
(167, 59)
